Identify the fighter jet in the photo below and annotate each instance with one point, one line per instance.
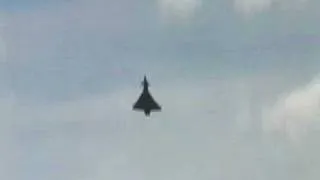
(146, 102)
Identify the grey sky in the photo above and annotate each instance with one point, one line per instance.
(238, 82)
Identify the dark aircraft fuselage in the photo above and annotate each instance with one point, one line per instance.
(146, 102)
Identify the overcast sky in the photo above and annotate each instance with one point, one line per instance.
(237, 80)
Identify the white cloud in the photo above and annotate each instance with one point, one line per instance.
(297, 114)
(178, 10)
(249, 7)
(252, 7)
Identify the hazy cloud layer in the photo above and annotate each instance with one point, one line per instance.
(213, 130)
(239, 100)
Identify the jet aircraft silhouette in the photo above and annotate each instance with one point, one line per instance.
(146, 102)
